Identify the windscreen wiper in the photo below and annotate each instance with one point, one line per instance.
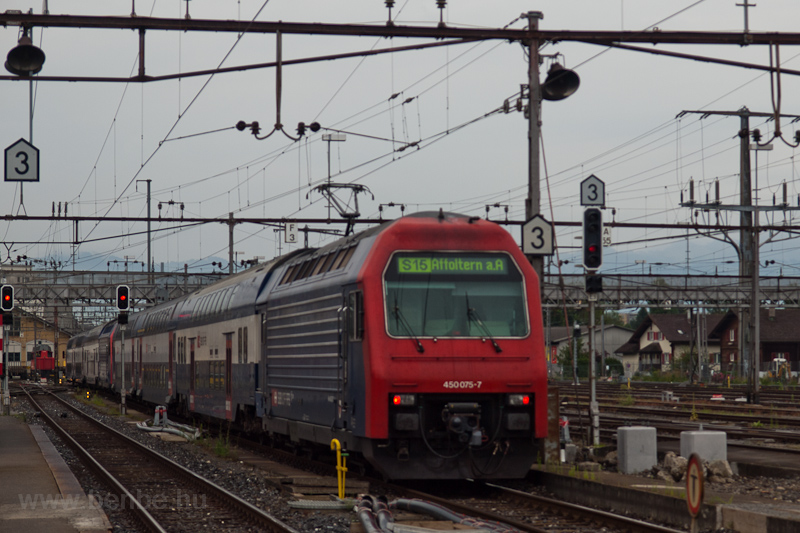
(407, 327)
(472, 316)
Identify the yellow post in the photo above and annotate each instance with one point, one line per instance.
(340, 466)
(729, 381)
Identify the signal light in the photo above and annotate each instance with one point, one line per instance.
(594, 284)
(88, 395)
(123, 297)
(592, 238)
(7, 297)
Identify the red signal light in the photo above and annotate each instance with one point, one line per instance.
(396, 399)
(7, 302)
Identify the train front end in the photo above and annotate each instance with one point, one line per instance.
(453, 352)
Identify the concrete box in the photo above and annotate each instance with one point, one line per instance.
(709, 445)
(636, 449)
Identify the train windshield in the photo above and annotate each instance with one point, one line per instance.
(468, 294)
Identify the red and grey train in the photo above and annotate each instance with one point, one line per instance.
(417, 344)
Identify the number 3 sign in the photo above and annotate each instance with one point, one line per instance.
(22, 162)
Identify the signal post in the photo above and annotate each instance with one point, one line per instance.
(593, 197)
(123, 304)
(6, 306)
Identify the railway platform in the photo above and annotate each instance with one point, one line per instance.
(665, 502)
(38, 492)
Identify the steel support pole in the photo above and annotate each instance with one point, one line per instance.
(755, 314)
(534, 123)
(149, 238)
(576, 335)
(6, 393)
(746, 247)
(123, 409)
(594, 408)
(230, 243)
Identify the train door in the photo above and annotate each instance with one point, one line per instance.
(351, 359)
(192, 373)
(170, 362)
(351, 334)
(228, 375)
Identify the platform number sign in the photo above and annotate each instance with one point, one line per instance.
(694, 485)
(22, 162)
(537, 236)
(593, 192)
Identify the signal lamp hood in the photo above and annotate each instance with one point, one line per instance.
(25, 58)
(560, 83)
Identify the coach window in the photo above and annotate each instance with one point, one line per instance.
(355, 310)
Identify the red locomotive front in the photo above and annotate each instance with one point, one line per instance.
(454, 357)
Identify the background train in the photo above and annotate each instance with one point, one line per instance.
(417, 343)
(43, 363)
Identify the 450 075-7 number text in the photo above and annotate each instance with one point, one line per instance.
(462, 384)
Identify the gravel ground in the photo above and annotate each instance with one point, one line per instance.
(246, 481)
(249, 482)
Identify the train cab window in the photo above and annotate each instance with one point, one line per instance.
(465, 294)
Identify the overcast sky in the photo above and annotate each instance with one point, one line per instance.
(100, 141)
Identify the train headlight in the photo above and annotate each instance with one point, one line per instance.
(519, 399)
(404, 400)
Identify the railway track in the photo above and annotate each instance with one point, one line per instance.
(486, 503)
(162, 495)
(533, 513)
